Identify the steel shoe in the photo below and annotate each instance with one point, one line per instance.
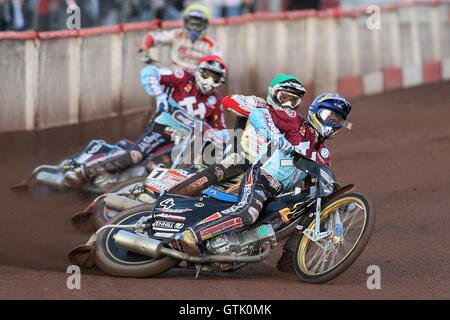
(185, 242)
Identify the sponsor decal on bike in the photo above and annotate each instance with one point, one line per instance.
(221, 228)
(198, 182)
(174, 210)
(167, 203)
(154, 185)
(156, 172)
(167, 225)
(215, 216)
(199, 204)
(170, 217)
(171, 180)
(178, 173)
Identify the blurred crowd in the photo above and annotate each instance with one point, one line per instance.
(45, 15)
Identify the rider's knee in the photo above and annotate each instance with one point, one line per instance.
(136, 156)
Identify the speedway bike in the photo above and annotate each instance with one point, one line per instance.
(334, 225)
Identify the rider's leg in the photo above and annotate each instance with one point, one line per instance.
(256, 187)
(116, 162)
(232, 166)
(152, 138)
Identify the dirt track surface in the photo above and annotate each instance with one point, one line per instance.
(397, 154)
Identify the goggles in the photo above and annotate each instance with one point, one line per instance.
(216, 77)
(330, 118)
(289, 99)
(195, 24)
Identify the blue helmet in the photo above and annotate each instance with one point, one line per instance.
(328, 114)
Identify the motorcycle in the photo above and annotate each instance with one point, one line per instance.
(224, 176)
(180, 125)
(333, 224)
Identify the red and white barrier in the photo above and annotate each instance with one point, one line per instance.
(66, 77)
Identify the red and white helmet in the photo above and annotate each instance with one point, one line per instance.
(210, 73)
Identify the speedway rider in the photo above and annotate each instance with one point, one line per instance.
(194, 92)
(273, 170)
(188, 45)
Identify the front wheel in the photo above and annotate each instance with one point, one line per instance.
(101, 213)
(348, 222)
(120, 262)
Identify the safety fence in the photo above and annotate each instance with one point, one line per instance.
(50, 79)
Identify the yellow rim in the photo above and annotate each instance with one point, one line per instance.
(301, 253)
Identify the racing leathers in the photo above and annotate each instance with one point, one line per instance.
(179, 85)
(271, 173)
(183, 52)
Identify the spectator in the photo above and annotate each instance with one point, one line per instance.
(231, 8)
(5, 15)
(11, 15)
(303, 5)
(158, 8)
(18, 21)
(90, 12)
(174, 9)
(248, 6)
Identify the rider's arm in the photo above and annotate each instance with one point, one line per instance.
(157, 38)
(150, 79)
(154, 78)
(242, 105)
(262, 121)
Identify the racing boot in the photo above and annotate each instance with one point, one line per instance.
(186, 242)
(114, 163)
(286, 261)
(75, 178)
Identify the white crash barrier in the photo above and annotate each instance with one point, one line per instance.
(59, 78)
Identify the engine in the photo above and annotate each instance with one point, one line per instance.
(248, 242)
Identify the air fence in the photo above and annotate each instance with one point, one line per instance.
(50, 79)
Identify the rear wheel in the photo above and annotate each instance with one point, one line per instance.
(120, 262)
(322, 260)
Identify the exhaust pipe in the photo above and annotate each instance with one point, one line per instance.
(53, 180)
(137, 243)
(120, 203)
(154, 248)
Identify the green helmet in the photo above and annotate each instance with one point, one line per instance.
(285, 93)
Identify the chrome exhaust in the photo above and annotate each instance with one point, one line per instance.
(53, 180)
(138, 243)
(120, 203)
(154, 248)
